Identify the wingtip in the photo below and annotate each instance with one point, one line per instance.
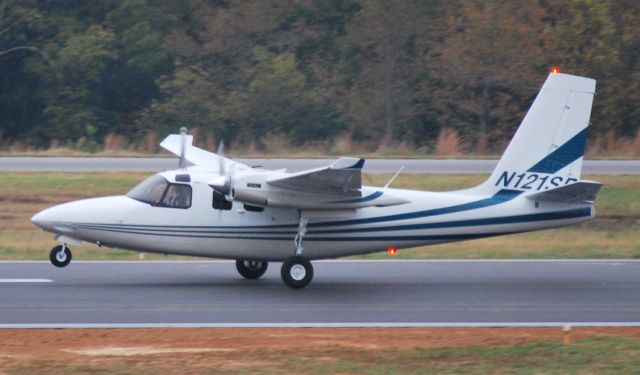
(348, 163)
(359, 164)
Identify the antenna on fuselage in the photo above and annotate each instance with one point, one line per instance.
(394, 177)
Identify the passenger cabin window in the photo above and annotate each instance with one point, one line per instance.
(220, 202)
(177, 196)
(157, 191)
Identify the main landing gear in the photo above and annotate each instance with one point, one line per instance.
(60, 256)
(297, 271)
(251, 269)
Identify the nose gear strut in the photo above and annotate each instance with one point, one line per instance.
(60, 256)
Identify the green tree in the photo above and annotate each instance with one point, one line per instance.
(488, 64)
(600, 40)
(278, 101)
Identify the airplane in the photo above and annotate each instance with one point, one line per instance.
(217, 207)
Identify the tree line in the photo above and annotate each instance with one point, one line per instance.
(365, 75)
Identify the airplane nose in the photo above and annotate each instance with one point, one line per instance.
(61, 218)
(45, 219)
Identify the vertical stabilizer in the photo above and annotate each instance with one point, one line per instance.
(548, 147)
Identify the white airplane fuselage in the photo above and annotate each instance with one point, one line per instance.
(201, 230)
(224, 209)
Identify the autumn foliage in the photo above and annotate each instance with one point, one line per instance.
(433, 76)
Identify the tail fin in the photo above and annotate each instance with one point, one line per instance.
(548, 147)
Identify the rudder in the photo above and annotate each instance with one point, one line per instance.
(548, 147)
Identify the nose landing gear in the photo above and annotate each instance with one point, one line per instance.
(60, 256)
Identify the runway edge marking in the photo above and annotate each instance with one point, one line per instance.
(317, 325)
(335, 261)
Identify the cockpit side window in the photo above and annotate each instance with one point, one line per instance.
(157, 191)
(177, 196)
(150, 190)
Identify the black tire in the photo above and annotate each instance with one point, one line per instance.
(60, 256)
(251, 269)
(296, 272)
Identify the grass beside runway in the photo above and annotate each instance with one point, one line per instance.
(320, 351)
(594, 355)
(613, 234)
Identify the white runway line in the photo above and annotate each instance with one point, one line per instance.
(25, 281)
(133, 262)
(317, 325)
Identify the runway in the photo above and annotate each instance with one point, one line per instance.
(457, 166)
(343, 293)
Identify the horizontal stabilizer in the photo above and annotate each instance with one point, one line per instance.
(581, 191)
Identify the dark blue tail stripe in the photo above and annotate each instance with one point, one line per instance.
(564, 155)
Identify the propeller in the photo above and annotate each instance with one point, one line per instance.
(221, 163)
(183, 145)
(222, 184)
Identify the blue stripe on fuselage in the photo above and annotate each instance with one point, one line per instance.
(501, 196)
(178, 231)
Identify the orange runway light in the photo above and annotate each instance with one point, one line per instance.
(555, 70)
(392, 251)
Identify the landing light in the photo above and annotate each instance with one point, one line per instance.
(555, 70)
(392, 251)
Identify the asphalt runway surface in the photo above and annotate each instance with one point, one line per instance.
(457, 166)
(376, 293)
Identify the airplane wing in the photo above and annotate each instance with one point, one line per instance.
(581, 191)
(198, 156)
(332, 188)
(342, 178)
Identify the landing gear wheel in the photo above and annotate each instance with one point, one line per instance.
(297, 272)
(251, 269)
(60, 256)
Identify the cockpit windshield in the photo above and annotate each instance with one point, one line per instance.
(157, 191)
(150, 190)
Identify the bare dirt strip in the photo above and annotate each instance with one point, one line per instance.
(173, 350)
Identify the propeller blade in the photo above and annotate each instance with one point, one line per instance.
(223, 183)
(183, 135)
(220, 152)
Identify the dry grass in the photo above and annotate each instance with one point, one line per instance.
(449, 144)
(608, 145)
